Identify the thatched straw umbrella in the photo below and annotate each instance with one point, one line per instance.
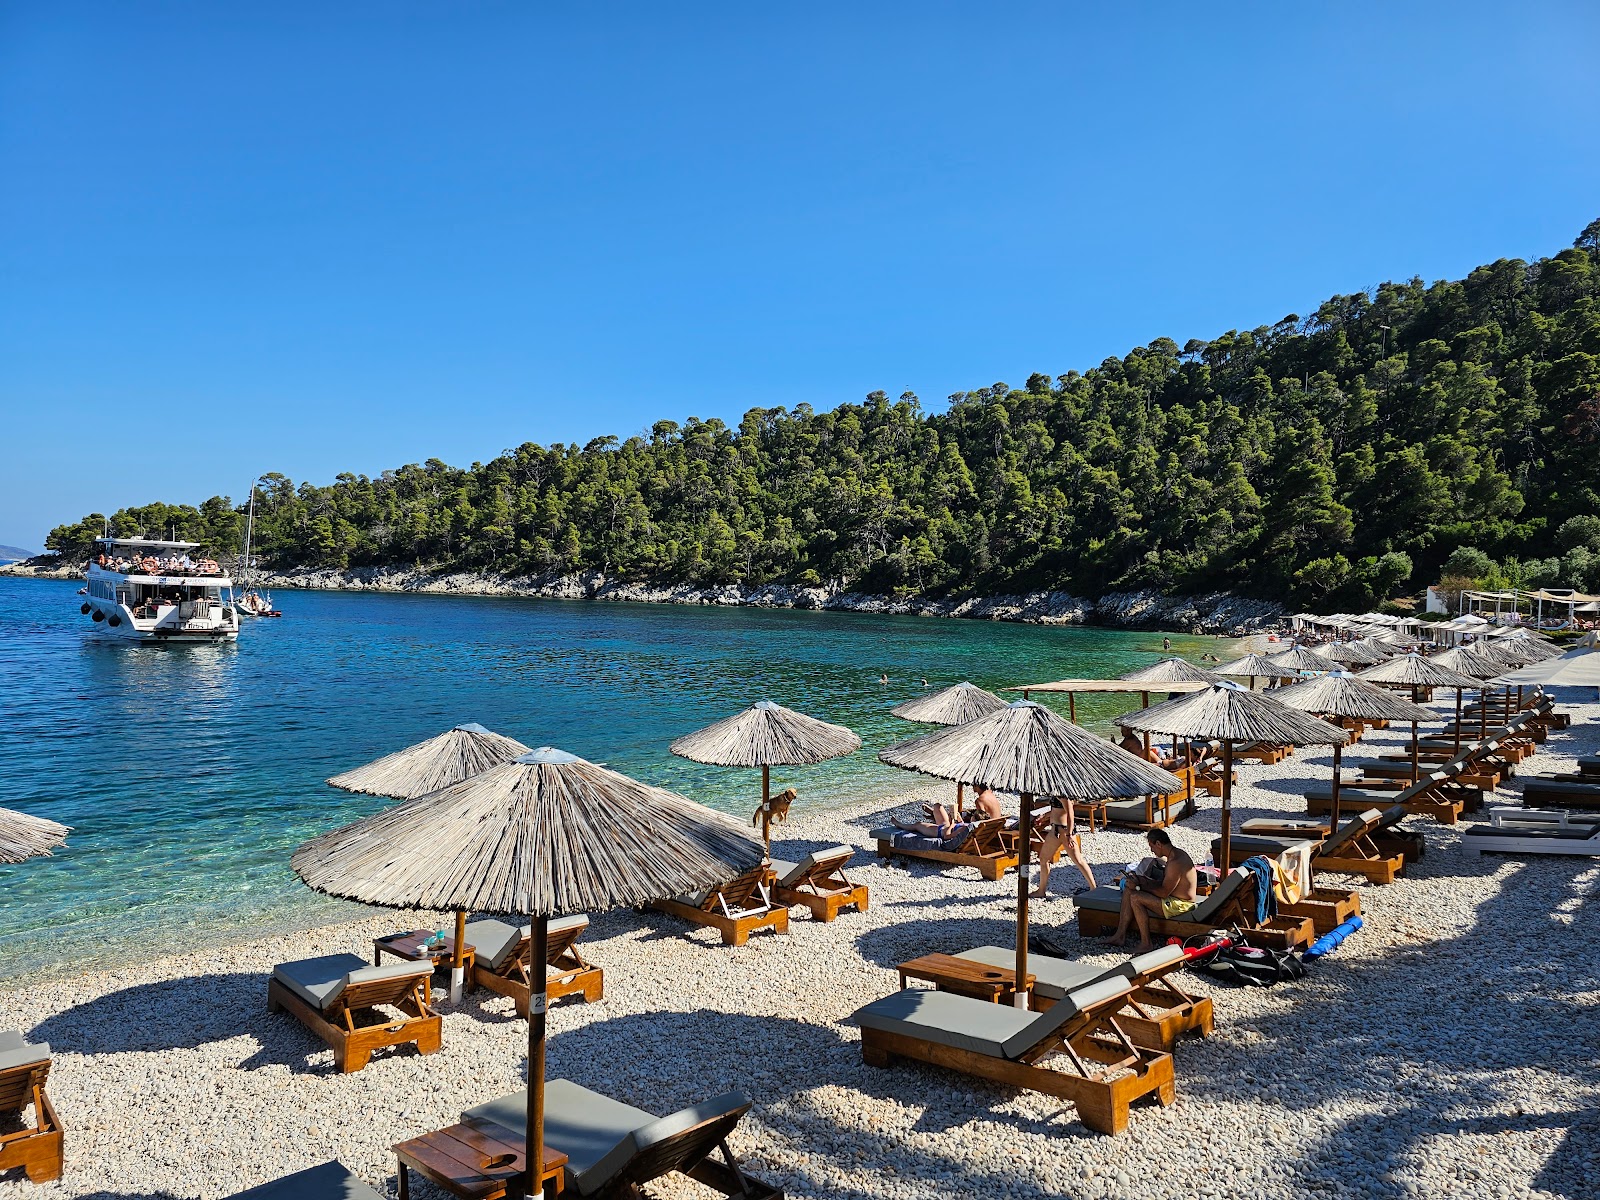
(1350, 654)
(1341, 694)
(1469, 660)
(1383, 650)
(1028, 749)
(767, 735)
(1298, 658)
(454, 755)
(25, 836)
(1253, 667)
(1170, 670)
(1229, 714)
(1415, 672)
(545, 836)
(952, 706)
(439, 762)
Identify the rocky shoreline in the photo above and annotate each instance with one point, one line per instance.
(1217, 612)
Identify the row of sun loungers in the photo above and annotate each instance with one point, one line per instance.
(1533, 831)
(34, 1147)
(761, 897)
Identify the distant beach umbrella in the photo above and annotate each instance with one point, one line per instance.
(1230, 714)
(1575, 668)
(1382, 650)
(439, 762)
(24, 836)
(547, 835)
(1467, 661)
(1341, 694)
(1253, 666)
(767, 735)
(1392, 637)
(1028, 749)
(952, 706)
(1350, 654)
(1170, 670)
(1298, 659)
(1415, 672)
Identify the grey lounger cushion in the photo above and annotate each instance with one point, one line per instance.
(599, 1135)
(494, 941)
(1052, 977)
(993, 1030)
(790, 874)
(10, 1039)
(1159, 959)
(330, 1181)
(1364, 822)
(1107, 898)
(321, 981)
(21, 1054)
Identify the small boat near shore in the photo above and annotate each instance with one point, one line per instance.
(144, 590)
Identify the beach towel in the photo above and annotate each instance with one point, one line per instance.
(1266, 898)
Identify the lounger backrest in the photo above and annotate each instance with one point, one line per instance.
(1391, 817)
(22, 1069)
(1232, 885)
(817, 865)
(1145, 968)
(983, 837)
(1357, 826)
(671, 1143)
(1079, 1006)
(562, 932)
(497, 943)
(736, 893)
(377, 985)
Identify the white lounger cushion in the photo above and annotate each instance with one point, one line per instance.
(321, 981)
(19, 1053)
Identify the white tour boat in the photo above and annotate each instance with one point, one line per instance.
(152, 591)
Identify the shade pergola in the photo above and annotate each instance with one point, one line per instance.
(952, 706)
(544, 836)
(1341, 694)
(1170, 670)
(24, 836)
(1028, 749)
(439, 762)
(767, 735)
(1229, 714)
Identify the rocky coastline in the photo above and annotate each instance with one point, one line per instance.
(1217, 612)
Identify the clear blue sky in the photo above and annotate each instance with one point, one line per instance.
(321, 237)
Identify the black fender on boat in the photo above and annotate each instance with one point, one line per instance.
(97, 615)
(85, 607)
(113, 621)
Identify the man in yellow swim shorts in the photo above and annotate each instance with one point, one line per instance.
(1143, 897)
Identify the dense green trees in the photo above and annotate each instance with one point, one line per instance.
(1329, 459)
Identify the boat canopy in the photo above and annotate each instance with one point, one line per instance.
(146, 544)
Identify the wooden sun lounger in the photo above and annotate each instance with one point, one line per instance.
(1230, 904)
(1157, 811)
(35, 1148)
(1325, 906)
(1263, 752)
(819, 883)
(1353, 850)
(327, 1181)
(736, 909)
(982, 846)
(338, 997)
(1437, 794)
(501, 953)
(614, 1149)
(1386, 838)
(1540, 792)
(1534, 831)
(1157, 1012)
(1589, 766)
(1104, 1071)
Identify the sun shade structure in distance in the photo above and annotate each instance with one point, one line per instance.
(1028, 749)
(1349, 654)
(1073, 688)
(1298, 658)
(1169, 670)
(1230, 714)
(1341, 694)
(1253, 667)
(23, 835)
(546, 835)
(766, 735)
(454, 755)
(1415, 672)
(955, 705)
(1575, 668)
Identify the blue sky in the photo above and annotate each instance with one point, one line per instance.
(315, 238)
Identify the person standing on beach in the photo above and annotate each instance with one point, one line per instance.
(1058, 836)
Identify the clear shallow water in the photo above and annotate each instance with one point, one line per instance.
(190, 774)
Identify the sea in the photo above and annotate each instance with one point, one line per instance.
(189, 774)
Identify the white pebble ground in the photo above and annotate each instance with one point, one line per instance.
(1448, 1048)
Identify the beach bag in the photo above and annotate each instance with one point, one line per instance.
(1246, 966)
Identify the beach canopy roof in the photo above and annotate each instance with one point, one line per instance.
(1392, 637)
(1253, 666)
(23, 835)
(439, 762)
(1412, 670)
(1466, 660)
(1120, 686)
(1299, 658)
(767, 735)
(1341, 694)
(952, 706)
(1350, 653)
(1229, 713)
(1169, 670)
(549, 834)
(1575, 668)
(1026, 748)
(1382, 649)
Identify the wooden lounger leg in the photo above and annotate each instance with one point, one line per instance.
(872, 1055)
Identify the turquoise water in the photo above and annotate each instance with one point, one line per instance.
(189, 774)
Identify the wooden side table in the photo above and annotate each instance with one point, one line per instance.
(476, 1160)
(964, 976)
(412, 948)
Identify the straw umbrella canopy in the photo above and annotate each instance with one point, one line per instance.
(1382, 650)
(1170, 670)
(1229, 714)
(1252, 667)
(454, 755)
(952, 706)
(1026, 748)
(1415, 672)
(1341, 694)
(767, 735)
(1350, 654)
(546, 835)
(23, 835)
(1298, 658)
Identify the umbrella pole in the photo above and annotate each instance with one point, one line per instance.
(766, 814)
(1483, 715)
(458, 968)
(536, 1004)
(1072, 708)
(1414, 754)
(960, 795)
(1025, 838)
(1458, 720)
(1227, 805)
(1333, 816)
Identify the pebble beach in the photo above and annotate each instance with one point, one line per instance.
(1451, 1046)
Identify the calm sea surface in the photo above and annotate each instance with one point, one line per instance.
(189, 774)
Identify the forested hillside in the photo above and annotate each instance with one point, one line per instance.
(1327, 458)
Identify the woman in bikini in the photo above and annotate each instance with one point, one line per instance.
(1058, 834)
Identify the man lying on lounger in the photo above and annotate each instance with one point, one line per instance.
(948, 829)
(1144, 897)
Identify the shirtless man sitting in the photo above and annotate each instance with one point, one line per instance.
(1142, 897)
